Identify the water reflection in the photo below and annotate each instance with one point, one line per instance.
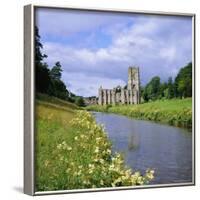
(144, 144)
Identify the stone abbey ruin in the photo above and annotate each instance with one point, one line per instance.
(129, 94)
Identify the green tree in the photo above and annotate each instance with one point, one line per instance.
(183, 82)
(56, 71)
(162, 90)
(48, 81)
(38, 46)
(79, 101)
(170, 87)
(152, 89)
(57, 87)
(42, 77)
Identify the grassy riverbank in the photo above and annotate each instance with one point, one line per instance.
(73, 152)
(176, 112)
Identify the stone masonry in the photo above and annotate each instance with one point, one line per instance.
(123, 95)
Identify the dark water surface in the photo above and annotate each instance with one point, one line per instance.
(145, 144)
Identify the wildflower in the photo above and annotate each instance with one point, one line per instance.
(96, 150)
(76, 138)
(111, 167)
(69, 148)
(140, 180)
(101, 182)
(101, 161)
(116, 182)
(150, 174)
(86, 182)
(77, 173)
(137, 174)
(113, 184)
(68, 170)
(87, 129)
(61, 158)
(59, 146)
(108, 151)
(98, 139)
(128, 172)
(152, 171)
(46, 163)
(91, 166)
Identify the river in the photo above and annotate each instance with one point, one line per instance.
(145, 144)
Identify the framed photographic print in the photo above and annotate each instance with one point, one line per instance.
(109, 99)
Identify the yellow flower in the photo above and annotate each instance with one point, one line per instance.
(46, 163)
(98, 139)
(76, 138)
(69, 169)
(101, 182)
(91, 166)
(69, 148)
(59, 146)
(150, 176)
(108, 151)
(140, 180)
(101, 161)
(86, 182)
(96, 150)
(61, 158)
(152, 171)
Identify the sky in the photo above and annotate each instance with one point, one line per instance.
(96, 48)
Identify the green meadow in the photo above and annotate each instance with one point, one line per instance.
(176, 112)
(73, 152)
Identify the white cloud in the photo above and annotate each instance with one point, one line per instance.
(62, 23)
(168, 53)
(85, 85)
(158, 45)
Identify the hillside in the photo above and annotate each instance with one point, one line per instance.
(73, 152)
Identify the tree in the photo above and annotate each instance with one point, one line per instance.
(57, 87)
(79, 101)
(42, 77)
(38, 46)
(183, 82)
(56, 71)
(163, 90)
(152, 89)
(170, 87)
(48, 81)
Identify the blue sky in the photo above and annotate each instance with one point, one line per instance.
(95, 49)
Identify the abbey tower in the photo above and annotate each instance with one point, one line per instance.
(123, 95)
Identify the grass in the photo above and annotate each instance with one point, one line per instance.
(176, 112)
(73, 152)
(56, 101)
